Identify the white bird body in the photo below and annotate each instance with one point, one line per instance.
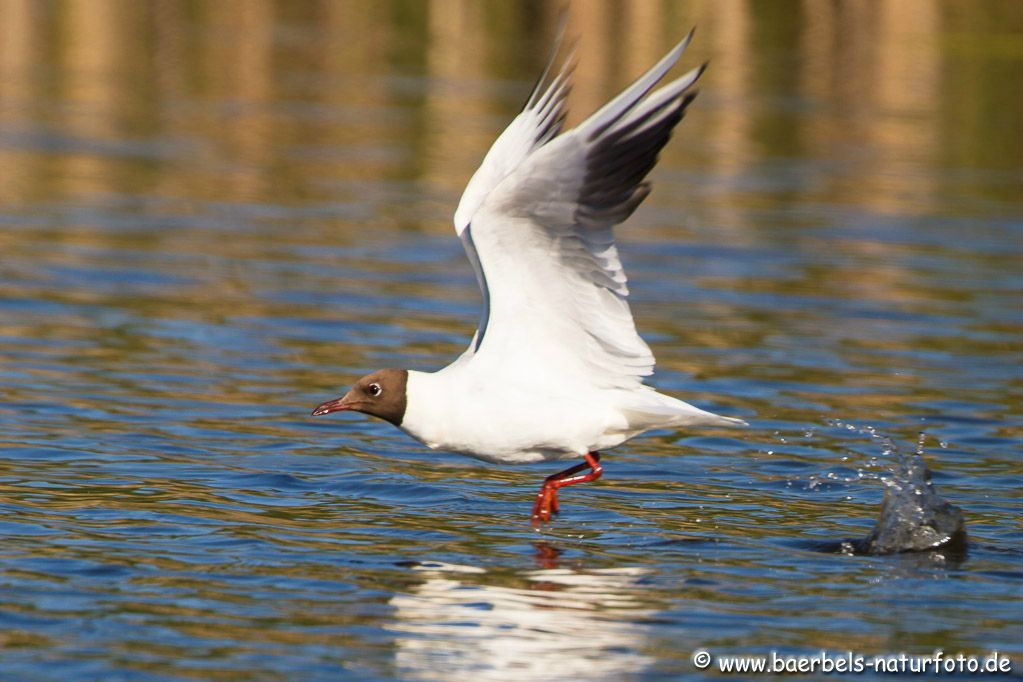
(555, 369)
(533, 417)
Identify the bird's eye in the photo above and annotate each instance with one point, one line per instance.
(374, 390)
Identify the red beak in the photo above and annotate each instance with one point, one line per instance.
(336, 405)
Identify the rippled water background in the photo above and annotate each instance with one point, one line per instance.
(214, 216)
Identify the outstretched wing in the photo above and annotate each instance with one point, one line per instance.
(542, 237)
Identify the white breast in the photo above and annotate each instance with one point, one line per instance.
(507, 419)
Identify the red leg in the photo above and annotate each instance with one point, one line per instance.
(551, 490)
(547, 499)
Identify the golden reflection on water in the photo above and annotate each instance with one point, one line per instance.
(877, 76)
(222, 102)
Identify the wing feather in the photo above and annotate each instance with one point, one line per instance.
(540, 121)
(542, 235)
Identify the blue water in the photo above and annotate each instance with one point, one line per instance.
(205, 238)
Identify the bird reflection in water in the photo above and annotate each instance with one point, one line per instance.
(552, 622)
(547, 555)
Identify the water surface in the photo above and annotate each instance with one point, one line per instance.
(214, 216)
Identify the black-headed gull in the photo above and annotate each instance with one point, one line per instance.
(555, 368)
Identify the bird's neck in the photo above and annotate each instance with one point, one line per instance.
(428, 408)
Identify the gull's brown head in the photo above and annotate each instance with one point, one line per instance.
(380, 394)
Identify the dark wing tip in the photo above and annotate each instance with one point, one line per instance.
(538, 89)
(622, 157)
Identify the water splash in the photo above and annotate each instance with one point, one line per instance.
(914, 517)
